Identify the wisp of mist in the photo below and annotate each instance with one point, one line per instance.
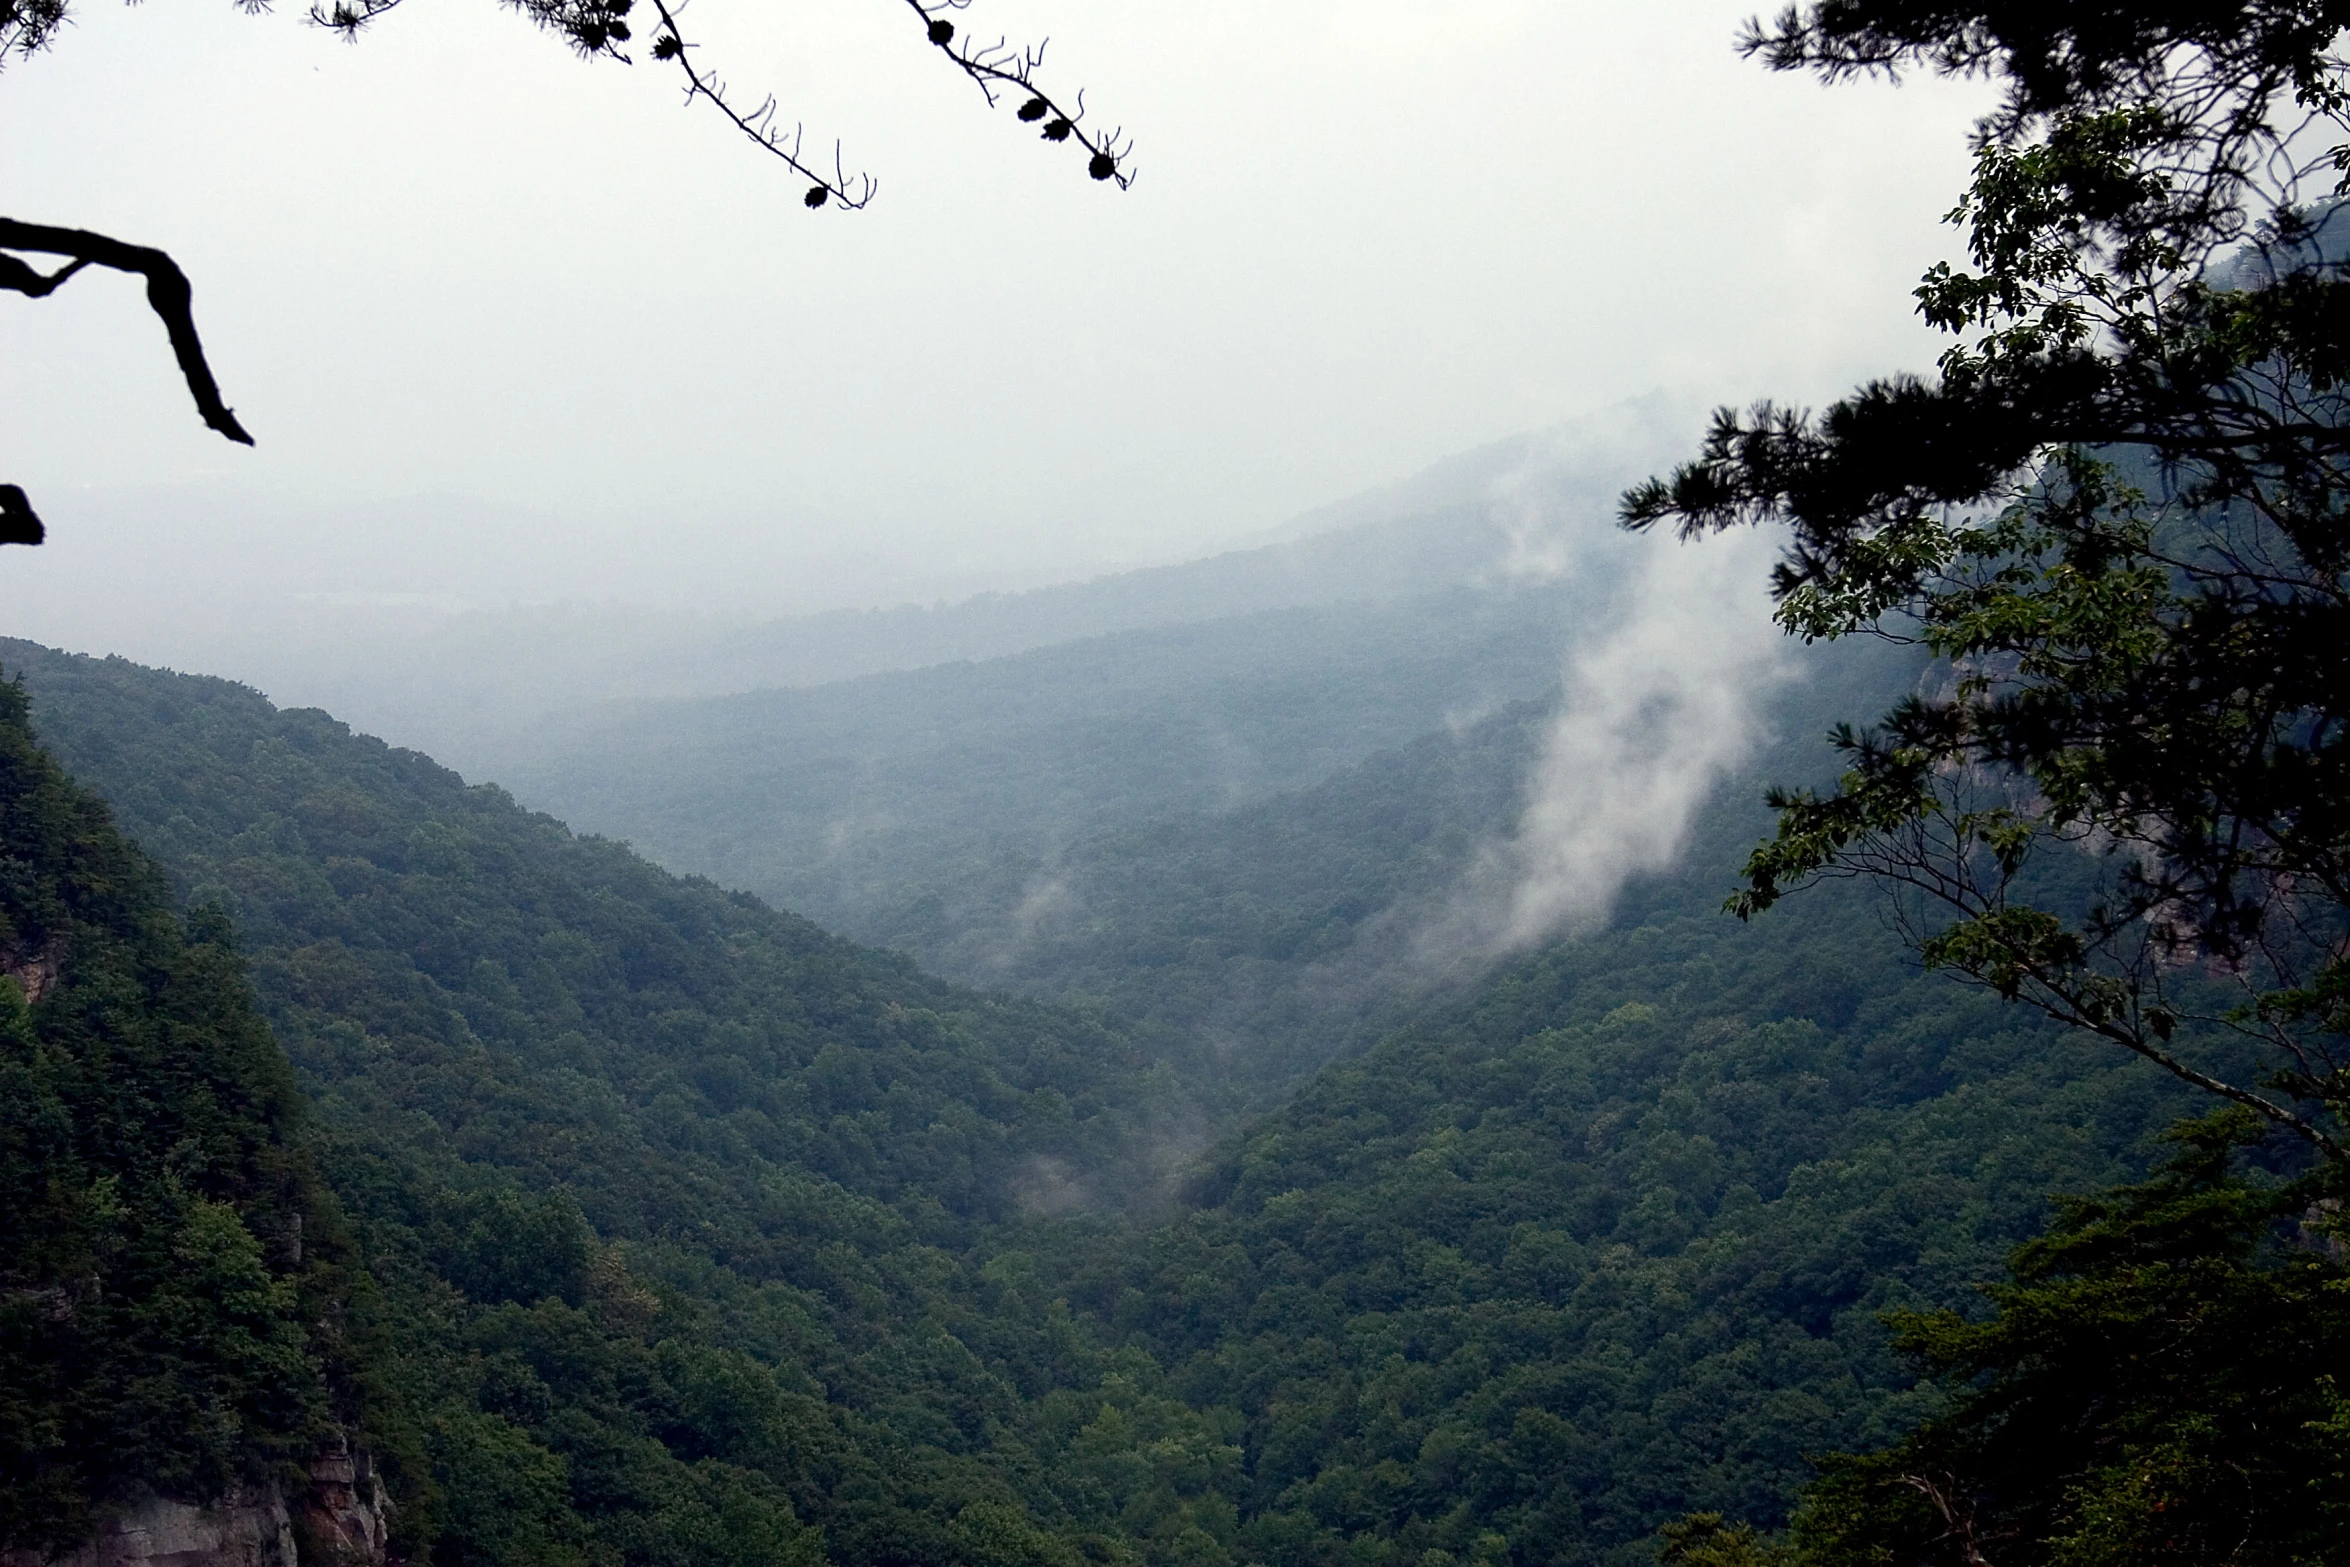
(1656, 709)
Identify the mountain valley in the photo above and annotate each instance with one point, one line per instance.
(693, 1233)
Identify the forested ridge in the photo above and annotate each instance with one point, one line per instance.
(356, 1121)
(600, 1130)
(176, 1284)
(702, 1235)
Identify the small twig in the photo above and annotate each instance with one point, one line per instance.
(760, 124)
(998, 66)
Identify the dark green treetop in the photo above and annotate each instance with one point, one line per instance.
(2161, 1384)
(2117, 515)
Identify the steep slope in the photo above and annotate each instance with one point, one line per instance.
(175, 1285)
(671, 1197)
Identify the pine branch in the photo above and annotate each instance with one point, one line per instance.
(998, 67)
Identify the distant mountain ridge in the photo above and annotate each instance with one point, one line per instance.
(823, 798)
(406, 643)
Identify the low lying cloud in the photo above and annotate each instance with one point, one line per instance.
(1658, 706)
(1556, 508)
(1656, 713)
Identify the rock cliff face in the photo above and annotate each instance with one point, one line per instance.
(345, 1517)
(341, 1520)
(35, 971)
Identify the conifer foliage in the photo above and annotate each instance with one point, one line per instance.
(2145, 1393)
(2118, 515)
(2119, 518)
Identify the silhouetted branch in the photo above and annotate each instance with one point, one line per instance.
(593, 27)
(168, 294)
(18, 524)
(600, 27)
(26, 26)
(20, 278)
(760, 124)
(998, 66)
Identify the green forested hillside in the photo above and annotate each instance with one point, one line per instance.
(176, 1288)
(1607, 1243)
(1274, 936)
(704, 1236)
(672, 1198)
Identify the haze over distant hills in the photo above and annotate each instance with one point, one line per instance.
(1250, 804)
(947, 739)
(443, 625)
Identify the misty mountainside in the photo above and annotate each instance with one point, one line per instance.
(1247, 831)
(447, 624)
(828, 800)
(1292, 930)
(1276, 935)
(700, 1235)
(472, 677)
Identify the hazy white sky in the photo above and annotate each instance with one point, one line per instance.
(455, 260)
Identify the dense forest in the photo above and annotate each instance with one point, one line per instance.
(602, 1132)
(691, 1232)
(1141, 1179)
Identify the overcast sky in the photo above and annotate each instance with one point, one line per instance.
(455, 261)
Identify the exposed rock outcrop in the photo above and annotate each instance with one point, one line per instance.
(35, 972)
(345, 1518)
(341, 1520)
(250, 1528)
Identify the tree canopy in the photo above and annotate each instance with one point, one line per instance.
(2117, 515)
(2118, 518)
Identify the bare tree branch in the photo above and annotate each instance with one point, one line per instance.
(20, 278)
(760, 124)
(598, 28)
(168, 294)
(998, 67)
